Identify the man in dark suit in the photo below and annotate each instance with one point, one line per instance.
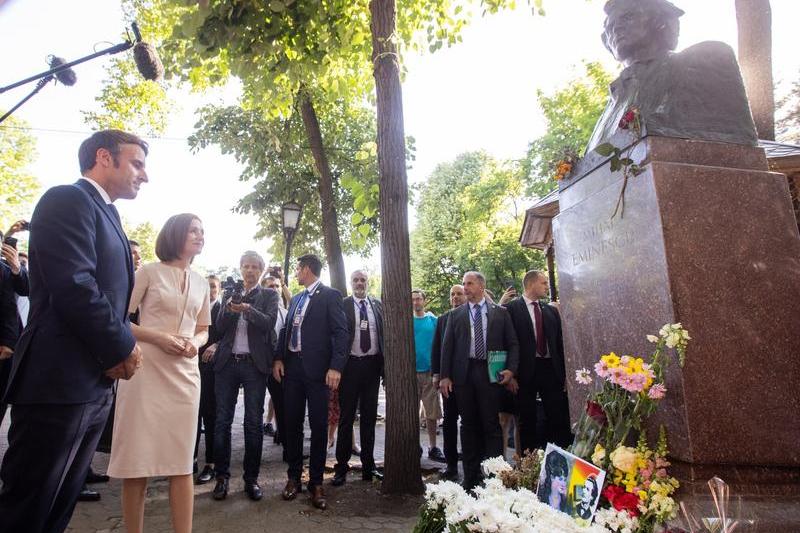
(361, 378)
(207, 414)
(450, 423)
(78, 339)
(243, 358)
(473, 330)
(13, 285)
(541, 363)
(310, 361)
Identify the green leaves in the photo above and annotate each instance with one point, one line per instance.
(469, 217)
(571, 113)
(18, 186)
(607, 149)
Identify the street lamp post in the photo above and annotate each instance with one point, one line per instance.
(290, 216)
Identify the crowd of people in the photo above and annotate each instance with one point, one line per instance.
(102, 352)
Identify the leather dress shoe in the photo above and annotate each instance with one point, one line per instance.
(221, 489)
(290, 490)
(88, 495)
(205, 476)
(318, 497)
(368, 475)
(253, 490)
(339, 479)
(93, 477)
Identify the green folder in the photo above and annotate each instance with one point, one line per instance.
(497, 363)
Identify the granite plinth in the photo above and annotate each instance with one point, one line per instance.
(708, 239)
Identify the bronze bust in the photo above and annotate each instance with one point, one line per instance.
(694, 94)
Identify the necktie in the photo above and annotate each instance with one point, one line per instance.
(364, 341)
(298, 312)
(113, 209)
(477, 326)
(541, 347)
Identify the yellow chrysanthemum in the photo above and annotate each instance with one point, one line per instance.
(612, 360)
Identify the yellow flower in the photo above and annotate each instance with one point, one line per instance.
(612, 360)
(598, 455)
(624, 459)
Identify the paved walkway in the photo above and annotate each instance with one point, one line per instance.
(357, 506)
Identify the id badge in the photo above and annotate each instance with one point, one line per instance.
(297, 320)
(364, 325)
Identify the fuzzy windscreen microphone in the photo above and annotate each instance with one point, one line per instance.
(147, 61)
(66, 76)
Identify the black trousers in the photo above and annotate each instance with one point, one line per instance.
(450, 432)
(276, 395)
(361, 381)
(547, 384)
(50, 447)
(299, 389)
(207, 415)
(481, 435)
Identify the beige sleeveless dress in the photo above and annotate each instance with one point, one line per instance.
(155, 421)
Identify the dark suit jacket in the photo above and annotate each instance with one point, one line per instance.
(323, 332)
(260, 323)
(81, 278)
(438, 337)
(9, 320)
(456, 343)
(352, 320)
(551, 323)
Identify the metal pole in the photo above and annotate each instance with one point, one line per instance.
(288, 236)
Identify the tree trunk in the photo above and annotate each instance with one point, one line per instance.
(330, 226)
(401, 464)
(754, 20)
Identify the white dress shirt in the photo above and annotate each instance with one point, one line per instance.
(484, 321)
(103, 194)
(241, 345)
(355, 349)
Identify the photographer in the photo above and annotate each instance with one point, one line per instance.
(243, 357)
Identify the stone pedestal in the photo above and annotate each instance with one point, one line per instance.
(707, 238)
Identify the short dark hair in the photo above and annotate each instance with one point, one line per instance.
(22, 254)
(212, 277)
(420, 292)
(172, 237)
(531, 275)
(312, 262)
(131, 242)
(111, 141)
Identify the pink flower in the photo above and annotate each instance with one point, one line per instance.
(657, 391)
(601, 369)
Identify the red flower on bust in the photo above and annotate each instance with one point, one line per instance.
(628, 118)
(596, 413)
(622, 500)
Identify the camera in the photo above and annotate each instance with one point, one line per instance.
(233, 290)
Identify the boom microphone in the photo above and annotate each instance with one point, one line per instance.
(67, 76)
(144, 54)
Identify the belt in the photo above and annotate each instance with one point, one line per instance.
(296, 354)
(362, 357)
(239, 357)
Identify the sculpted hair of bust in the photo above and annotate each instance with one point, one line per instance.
(640, 30)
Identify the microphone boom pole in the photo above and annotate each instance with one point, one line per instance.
(47, 76)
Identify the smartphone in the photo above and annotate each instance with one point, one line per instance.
(509, 284)
(26, 226)
(11, 241)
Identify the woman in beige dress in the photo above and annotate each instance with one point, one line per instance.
(155, 420)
